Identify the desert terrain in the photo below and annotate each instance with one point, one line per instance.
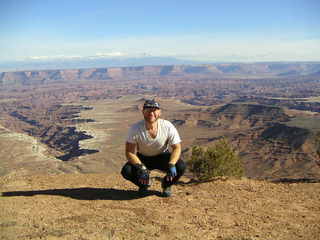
(104, 206)
(62, 135)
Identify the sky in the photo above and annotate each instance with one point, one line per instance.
(202, 30)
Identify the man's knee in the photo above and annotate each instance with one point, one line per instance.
(126, 171)
(181, 167)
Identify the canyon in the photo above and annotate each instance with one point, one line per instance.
(268, 111)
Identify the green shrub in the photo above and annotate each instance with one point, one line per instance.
(215, 161)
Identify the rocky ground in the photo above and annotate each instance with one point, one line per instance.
(100, 206)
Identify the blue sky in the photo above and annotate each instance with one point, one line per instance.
(206, 30)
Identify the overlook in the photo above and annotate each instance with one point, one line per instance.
(62, 148)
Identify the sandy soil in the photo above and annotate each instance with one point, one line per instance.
(100, 206)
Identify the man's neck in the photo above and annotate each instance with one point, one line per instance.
(151, 126)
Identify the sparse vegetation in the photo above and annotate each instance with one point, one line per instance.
(218, 160)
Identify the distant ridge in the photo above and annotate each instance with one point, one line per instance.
(212, 70)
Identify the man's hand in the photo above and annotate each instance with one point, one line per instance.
(172, 172)
(143, 174)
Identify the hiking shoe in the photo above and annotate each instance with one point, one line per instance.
(167, 191)
(143, 191)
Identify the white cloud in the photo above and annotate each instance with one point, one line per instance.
(111, 54)
(53, 57)
(39, 57)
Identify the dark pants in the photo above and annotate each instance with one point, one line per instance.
(160, 162)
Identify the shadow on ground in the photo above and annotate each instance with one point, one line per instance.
(296, 180)
(77, 153)
(85, 193)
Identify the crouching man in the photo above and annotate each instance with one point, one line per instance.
(147, 148)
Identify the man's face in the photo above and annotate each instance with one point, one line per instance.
(151, 115)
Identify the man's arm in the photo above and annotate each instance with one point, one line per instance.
(174, 157)
(143, 174)
(175, 154)
(131, 153)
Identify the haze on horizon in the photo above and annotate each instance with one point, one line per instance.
(206, 31)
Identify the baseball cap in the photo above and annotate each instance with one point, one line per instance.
(151, 104)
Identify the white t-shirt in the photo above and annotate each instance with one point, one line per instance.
(167, 135)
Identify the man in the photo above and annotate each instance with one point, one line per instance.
(147, 148)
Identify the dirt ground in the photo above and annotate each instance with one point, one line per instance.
(100, 206)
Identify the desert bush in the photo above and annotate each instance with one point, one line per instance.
(215, 161)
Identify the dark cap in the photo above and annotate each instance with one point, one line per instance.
(151, 104)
